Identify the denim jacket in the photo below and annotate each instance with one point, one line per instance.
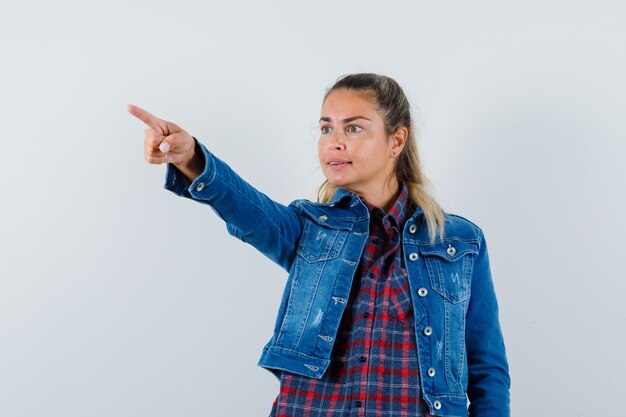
(461, 351)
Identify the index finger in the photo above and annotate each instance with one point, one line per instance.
(146, 117)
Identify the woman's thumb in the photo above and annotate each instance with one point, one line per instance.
(164, 147)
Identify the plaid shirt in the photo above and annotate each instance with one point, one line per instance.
(374, 369)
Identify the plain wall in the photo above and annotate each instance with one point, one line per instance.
(118, 298)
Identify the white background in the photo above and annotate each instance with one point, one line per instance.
(118, 298)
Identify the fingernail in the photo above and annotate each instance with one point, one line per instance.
(164, 147)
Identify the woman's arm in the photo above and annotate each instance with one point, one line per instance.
(250, 215)
(488, 371)
(194, 172)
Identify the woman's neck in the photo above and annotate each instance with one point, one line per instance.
(383, 197)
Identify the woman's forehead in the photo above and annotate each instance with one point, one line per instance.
(345, 103)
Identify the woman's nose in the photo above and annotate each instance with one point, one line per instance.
(336, 140)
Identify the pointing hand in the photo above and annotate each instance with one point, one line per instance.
(164, 141)
(167, 142)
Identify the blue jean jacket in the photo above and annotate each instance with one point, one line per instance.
(461, 356)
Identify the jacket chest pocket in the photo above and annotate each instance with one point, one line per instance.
(322, 237)
(450, 266)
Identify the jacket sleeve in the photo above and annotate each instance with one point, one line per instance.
(488, 371)
(251, 216)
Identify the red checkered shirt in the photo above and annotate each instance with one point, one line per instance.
(373, 370)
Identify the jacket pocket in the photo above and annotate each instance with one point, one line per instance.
(450, 265)
(322, 237)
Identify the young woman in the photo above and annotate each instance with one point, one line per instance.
(389, 308)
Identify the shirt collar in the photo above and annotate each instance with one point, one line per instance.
(401, 209)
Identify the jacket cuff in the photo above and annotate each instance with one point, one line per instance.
(176, 182)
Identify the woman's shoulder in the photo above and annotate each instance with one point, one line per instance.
(459, 226)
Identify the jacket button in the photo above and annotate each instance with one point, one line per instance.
(422, 292)
(200, 186)
(428, 331)
(437, 404)
(431, 372)
(451, 251)
(412, 228)
(413, 256)
(323, 218)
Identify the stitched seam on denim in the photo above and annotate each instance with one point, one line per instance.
(300, 353)
(447, 347)
(459, 374)
(281, 332)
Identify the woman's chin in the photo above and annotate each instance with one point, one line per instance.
(338, 182)
(346, 185)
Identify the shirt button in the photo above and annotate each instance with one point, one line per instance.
(358, 404)
(413, 256)
(422, 292)
(412, 228)
(362, 359)
(375, 240)
(437, 404)
(200, 186)
(428, 330)
(431, 372)
(366, 314)
(371, 275)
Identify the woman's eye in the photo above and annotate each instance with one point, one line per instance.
(354, 129)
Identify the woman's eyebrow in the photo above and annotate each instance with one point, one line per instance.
(346, 120)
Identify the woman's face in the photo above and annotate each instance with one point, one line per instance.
(353, 149)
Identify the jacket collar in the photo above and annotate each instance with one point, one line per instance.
(342, 194)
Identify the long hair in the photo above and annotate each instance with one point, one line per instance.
(393, 105)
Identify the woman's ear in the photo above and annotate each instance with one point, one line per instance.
(399, 138)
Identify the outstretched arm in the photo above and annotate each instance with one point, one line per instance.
(194, 172)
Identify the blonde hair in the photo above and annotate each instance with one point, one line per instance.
(395, 109)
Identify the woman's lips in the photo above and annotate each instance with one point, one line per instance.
(339, 166)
